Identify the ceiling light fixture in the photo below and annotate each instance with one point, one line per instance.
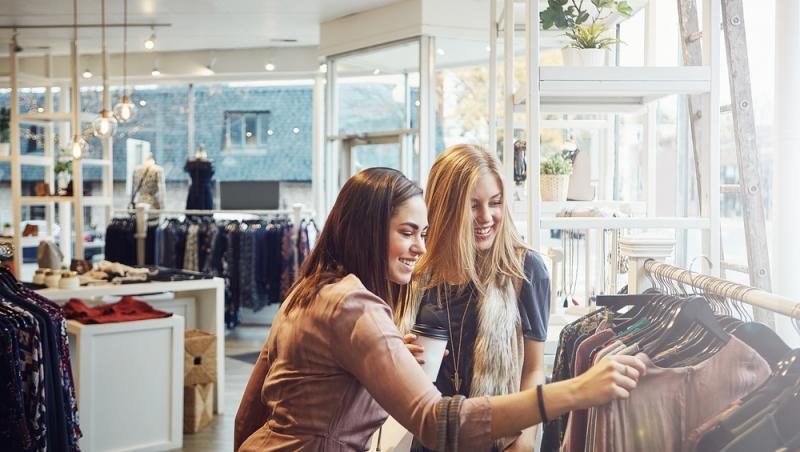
(376, 72)
(87, 73)
(155, 72)
(150, 42)
(296, 130)
(104, 125)
(323, 68)
(142, 102)
(125, 110)
(440, 51)
(269, 66)
(78, 144)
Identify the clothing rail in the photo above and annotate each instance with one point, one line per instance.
(143, 211)
(712, 285)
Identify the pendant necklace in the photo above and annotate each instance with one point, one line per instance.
(456, 356)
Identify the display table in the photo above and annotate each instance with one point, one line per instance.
(209, 295)
(129, 384)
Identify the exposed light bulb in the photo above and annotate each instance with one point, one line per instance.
(269, 66)
(270, 132)
(125, 109)
(416, 103)
(155, 72)
(77, 146)
(142, 102)
(87, 73)
(40, 110)
(150, 42)
(104, 125)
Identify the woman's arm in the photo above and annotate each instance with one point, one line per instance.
(613, 377)
(532, 375)
(252, 413)
(367, 344)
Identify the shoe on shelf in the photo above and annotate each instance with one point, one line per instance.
(31, 230)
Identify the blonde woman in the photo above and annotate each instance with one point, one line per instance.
(482, 283)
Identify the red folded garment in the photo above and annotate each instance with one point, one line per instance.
(125, 310)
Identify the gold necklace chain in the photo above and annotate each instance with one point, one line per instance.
(456, 356)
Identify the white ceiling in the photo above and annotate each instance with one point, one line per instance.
(196, 24)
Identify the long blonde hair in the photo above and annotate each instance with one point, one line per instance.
(452, 256)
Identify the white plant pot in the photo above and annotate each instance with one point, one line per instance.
(584, 57)
(5, 149)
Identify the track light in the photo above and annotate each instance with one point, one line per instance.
(155, 72)
(87, 73)
(269, 66)
(150, 42)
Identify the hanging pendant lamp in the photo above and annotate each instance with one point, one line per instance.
(78, 144)
(105, 124)
(125, 109)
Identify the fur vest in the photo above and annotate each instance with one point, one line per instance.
(499, 346)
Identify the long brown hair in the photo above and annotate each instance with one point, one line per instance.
(355, 236)
(452, 256)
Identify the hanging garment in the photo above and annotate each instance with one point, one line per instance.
(671, 402)
(39, 409)
(201, 193)
(120, 243)
(190, 256)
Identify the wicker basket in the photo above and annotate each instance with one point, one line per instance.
(553, 188)
(198, 407)
(200, 358)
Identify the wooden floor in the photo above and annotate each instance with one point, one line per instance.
(218, 436)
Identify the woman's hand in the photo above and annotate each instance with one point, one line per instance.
(613, 377)
(417, 351)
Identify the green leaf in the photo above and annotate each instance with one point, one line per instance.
(546, 18)
(561, 22)
(624, 9)
(582, 18)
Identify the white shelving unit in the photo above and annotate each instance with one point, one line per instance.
(600, 90)
(55, 123)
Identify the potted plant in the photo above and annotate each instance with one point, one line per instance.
(8, 231)
(5, 131)
(63, 170)
(554, 174)
(585, 27)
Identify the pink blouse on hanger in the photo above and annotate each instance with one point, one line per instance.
(327, 373)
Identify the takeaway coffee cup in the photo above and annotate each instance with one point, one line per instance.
(434, 341)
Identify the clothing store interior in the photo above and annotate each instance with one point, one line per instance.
(168, 168)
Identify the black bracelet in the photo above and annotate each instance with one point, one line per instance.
(539, 396)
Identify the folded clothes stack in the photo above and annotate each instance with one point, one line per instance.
(125, 310)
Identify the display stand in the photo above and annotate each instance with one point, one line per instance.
(209, 296)
(136, 403)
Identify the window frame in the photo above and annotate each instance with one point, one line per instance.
(261, 141)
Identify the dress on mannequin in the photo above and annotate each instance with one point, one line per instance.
(201, 193)
(148, 184)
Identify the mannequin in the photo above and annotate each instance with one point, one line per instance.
(200, 169)
(148, 183)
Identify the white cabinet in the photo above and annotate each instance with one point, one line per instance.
(129, 384)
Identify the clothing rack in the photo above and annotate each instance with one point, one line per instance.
(728, 289)
(143, 212)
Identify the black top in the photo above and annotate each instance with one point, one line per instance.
(534, 310)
